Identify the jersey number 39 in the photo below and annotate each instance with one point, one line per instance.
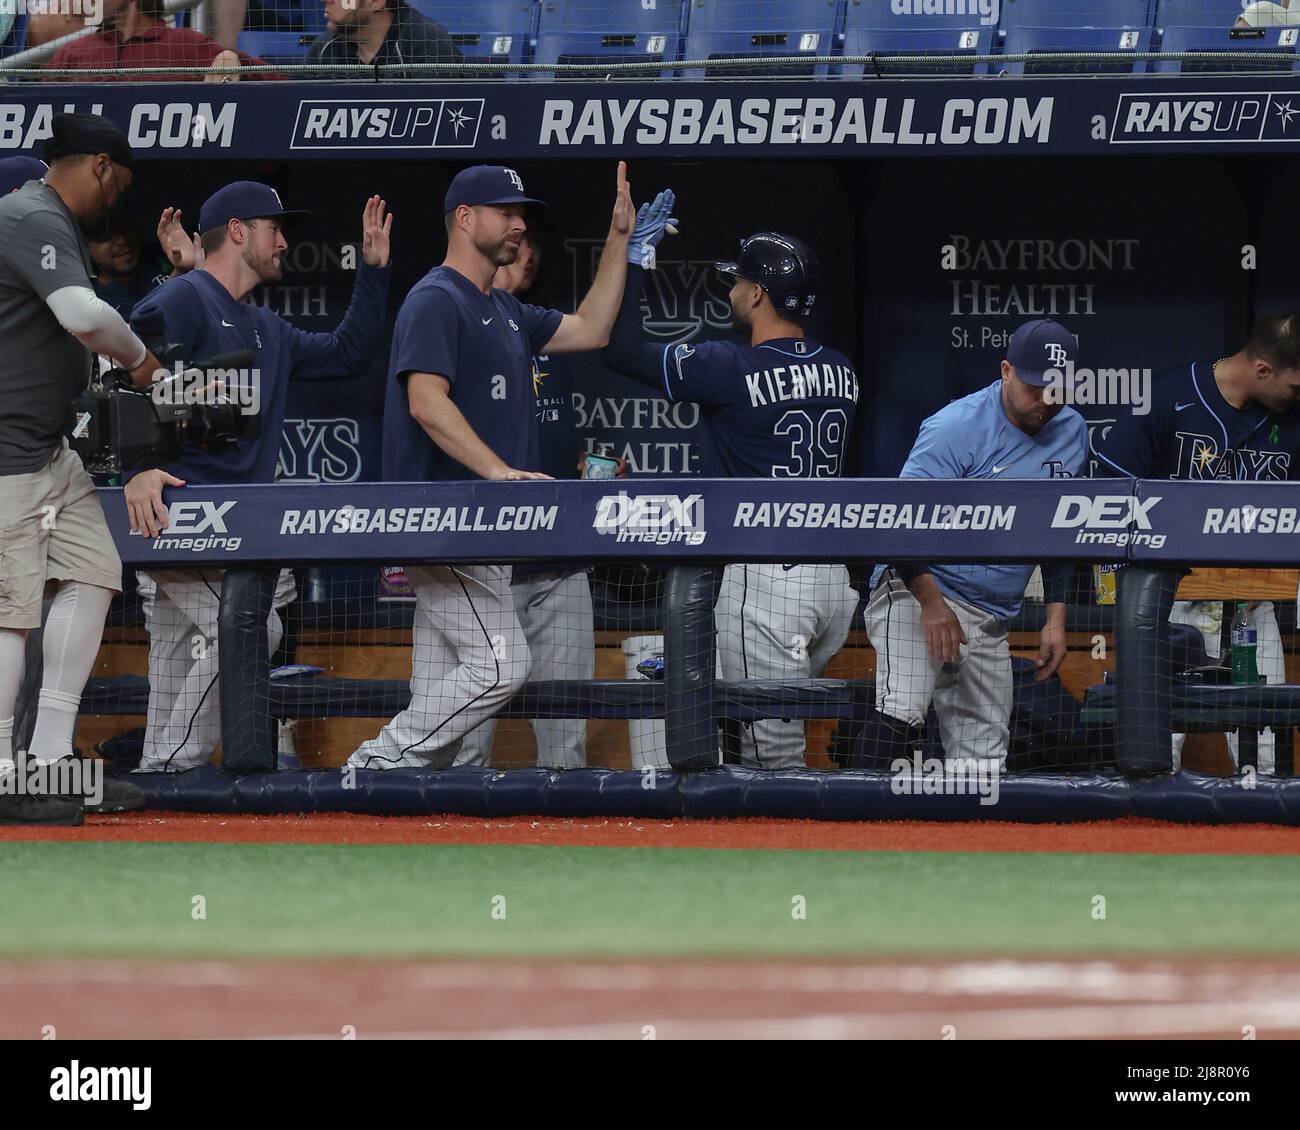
(815, 448)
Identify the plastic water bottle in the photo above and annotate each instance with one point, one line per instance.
(1245, 671)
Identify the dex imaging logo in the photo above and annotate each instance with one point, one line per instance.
(986, 11)
(653, 519)
(393, 123)
(1105, 519)
(185, 520)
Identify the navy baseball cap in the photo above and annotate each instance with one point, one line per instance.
(245, 200)
(75, 134)
(17, 171)
(1040, 346)
(487, 184)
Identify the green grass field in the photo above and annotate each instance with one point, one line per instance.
(335, 901)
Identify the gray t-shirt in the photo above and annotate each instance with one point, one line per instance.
(42, 366)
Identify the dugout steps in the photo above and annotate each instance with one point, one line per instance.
(722, 793)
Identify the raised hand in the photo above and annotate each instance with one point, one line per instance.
(375, 231)
(653, 221)
(624, 217)
(184, 252)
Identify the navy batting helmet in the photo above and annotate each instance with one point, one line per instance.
(783, 266)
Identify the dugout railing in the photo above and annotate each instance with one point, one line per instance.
(1115, 725)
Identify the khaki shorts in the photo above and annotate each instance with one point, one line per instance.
(52, 528)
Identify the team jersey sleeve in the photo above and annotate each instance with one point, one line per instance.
(707, 372)
(627, 352)
(174, 312)
(539, 324)
(348, 349)
(939, 451)
(1076, 459)
(426, 336)
(1130, 447)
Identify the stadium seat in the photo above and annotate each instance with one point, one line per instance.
(1048, 40)
(1220, 38)
(277, 46)
(741, 29)
(1199, 13)
(920, 45)
(486, 31)
(1077, 13)
(609, 31)
(285, 16)
(15, 38)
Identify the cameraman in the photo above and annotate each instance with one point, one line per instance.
(206, 313)
(52, 527)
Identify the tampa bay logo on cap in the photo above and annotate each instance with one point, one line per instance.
(515, 178)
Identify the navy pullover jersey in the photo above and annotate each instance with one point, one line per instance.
(484, 345)
(782, 410)
(1192, 433)
(199, 313)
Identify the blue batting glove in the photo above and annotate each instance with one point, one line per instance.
(653, 221)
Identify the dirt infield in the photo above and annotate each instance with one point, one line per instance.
(1129, 835)
(992, 999)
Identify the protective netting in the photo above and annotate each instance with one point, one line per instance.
(766, 665)
(496, 40)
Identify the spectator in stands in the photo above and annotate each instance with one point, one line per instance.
(49, 26)
(1270, 13)
(134, 35)
(226, 21)
(382, 32)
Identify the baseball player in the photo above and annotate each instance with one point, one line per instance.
(940, 631)
(460, 405)
(553, 604)
(242, 230)
(52, 527)
(779, 407)
(1232, 419)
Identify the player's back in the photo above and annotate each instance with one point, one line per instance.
(1191, 432)
(783, 409)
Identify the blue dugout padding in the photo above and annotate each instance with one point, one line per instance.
(722, 793)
